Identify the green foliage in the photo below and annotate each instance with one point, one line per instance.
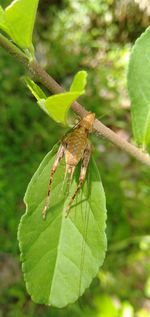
(89, 38)
(61, 257)
(79, 82)
(18, 21)
(138, 84)
(37, 92)
(57, 106)
(35, 89)
(3, 25)
(97, 36)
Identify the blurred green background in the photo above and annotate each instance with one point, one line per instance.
(95, 35)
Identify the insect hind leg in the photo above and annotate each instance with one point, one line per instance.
(84, 166)
(58, 158)
(69, 171)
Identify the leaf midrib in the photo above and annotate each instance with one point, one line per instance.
(56, 259)
(59, 246)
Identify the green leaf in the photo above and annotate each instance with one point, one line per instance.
(20, 18)
(139, 89)
(37, 92)
(3, 25)
(79, 81)
(61, 255)
(58, 105)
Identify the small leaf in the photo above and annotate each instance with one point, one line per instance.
(20, 18)
(37, 92)
(58, 105)
(61, 255)
(139, 89)
(79, 81)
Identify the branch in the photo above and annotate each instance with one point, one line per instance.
(45, 79)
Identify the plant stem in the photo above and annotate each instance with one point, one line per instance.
(13, 50)
(45, 79)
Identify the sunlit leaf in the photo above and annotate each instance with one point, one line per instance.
(58, 105)
(79, 81)
(61, 255)
(19, 19)
(3, 25)
(139, 89)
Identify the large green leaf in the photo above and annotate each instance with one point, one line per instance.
(139, 89)
(58, 105)
(18, 21)
(61, 255)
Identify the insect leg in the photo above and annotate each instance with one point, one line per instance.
(59, 156)
(70, 172)
(85, 162)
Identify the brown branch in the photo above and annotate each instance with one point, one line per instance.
(45, 79)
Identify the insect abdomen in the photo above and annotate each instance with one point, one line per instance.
(75, 147)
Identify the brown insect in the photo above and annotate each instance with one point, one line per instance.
(75, 146)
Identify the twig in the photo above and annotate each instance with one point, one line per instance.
(45, 79)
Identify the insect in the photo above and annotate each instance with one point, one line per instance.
(75, 146)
